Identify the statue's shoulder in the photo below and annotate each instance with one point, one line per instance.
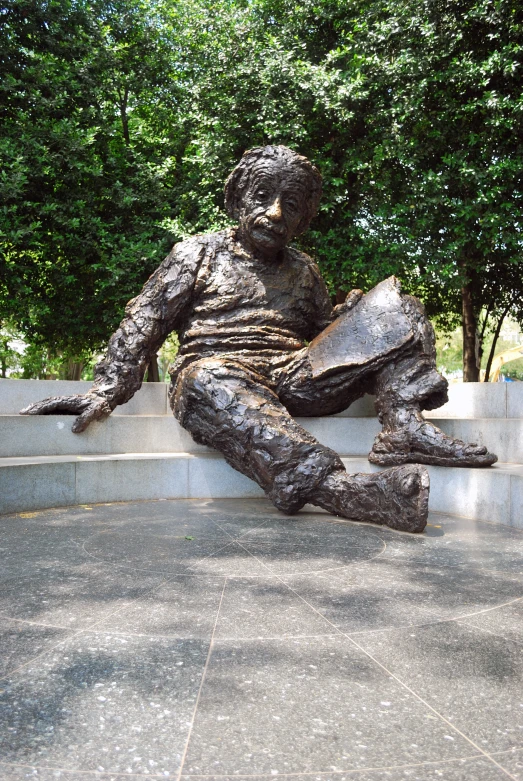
(205, 241)
(301, 259)
(194, 248)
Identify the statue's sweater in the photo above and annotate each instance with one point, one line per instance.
(219, 299)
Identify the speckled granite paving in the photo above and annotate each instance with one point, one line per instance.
(218, 640)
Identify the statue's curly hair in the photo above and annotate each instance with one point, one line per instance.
(239, 179)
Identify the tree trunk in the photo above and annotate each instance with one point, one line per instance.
(470, 337)
(481, 335)
(153, 373)
(494, 343)
(74, 370)
(3, 362)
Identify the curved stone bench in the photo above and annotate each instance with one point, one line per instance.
(141, 452)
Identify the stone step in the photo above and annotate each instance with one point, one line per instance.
(141, 452)
(494, 495)
(468, 400)
(52, 435)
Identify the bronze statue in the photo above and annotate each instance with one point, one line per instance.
(260, 342)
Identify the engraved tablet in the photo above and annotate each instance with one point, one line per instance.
(376, 326)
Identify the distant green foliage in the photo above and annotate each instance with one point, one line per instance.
(449, 348)
(167, 355)
(9, 356)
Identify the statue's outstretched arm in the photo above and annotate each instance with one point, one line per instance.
(149, 319)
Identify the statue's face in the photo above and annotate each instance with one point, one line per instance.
(274, 205)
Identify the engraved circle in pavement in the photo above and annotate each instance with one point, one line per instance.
(175, 553)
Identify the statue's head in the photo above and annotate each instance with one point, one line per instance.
(274, 193)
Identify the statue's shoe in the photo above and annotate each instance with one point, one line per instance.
(398, 498)
(406, 489)
(421, 442)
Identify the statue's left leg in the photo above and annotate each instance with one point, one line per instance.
(231, 407)
(406, 385)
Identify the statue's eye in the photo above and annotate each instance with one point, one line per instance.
(293, 205)
(261, 195)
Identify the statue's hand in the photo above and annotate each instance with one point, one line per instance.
(350, 302)
(352, 299)
(88, 407)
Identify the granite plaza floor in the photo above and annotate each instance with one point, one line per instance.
(218, 639)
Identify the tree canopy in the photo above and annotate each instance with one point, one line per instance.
(122, 120)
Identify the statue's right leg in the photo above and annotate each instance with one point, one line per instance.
(386, 345)
(407, 384)
(229, 407)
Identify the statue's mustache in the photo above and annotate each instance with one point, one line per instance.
(267, 224)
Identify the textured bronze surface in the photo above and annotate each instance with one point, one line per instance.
(260, 342)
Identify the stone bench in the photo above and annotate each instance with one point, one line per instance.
(141, 452)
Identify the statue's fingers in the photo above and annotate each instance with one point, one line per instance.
(36, 408)
(56, 405)
(83, 421)
(95, 411)
(353, 297)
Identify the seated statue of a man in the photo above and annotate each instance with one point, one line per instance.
(260, 342)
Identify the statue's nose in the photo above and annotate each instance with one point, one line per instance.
(274, 210)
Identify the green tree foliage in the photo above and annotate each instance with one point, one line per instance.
(87, 170)
(123, 119)
(455, 73)
(413, 112)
